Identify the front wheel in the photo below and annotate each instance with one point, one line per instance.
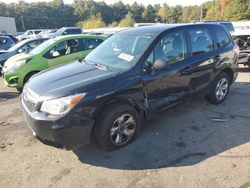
(117, 126)
(219, 89)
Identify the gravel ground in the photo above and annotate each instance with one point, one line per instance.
(195, 144)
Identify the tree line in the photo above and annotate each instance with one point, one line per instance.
(91, 14)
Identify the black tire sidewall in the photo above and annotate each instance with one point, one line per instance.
(106, 120)
(211, 97)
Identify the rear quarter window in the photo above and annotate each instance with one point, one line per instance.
(222, 39)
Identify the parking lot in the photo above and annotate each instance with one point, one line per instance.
(195, 144)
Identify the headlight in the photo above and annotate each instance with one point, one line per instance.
(61, 105)
(16, 66)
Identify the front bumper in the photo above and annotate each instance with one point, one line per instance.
(10, 79)
(67, 132)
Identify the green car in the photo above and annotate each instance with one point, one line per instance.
(63, 49)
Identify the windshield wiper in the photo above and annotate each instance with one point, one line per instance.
(99, 66)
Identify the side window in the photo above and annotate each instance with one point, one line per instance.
(201, 41)
(66, 47)
(89, 43)
(30, 33)
(26, 48)
(171, 48)
(222, 38)
(36, 32)
(6, 42)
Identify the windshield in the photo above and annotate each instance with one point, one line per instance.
(120, 51)
(59, 32)
(17, 46)
(40, 48)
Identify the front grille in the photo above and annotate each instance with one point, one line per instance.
(29, 100)
(31, 106)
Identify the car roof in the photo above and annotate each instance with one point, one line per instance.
(63, 37)
(159, 28)
(70, 28)
(34, 39)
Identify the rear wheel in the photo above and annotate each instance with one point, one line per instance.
(219, 89)
(117, 126)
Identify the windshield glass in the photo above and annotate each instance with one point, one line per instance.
(40, 48)
(17, 46)
(59, 32)
(120, 51)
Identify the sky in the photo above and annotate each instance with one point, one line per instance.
(145, 2)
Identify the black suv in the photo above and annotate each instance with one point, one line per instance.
(129, 78)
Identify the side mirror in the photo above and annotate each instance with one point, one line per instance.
(160, 64)
(20, 51)
(55, 54)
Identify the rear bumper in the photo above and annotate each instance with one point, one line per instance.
(67, 132)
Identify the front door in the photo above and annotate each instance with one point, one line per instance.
(167, 87)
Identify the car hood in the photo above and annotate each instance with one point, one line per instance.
(68, 79)
(18, 57)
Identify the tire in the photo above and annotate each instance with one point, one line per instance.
(219, 89)
(110, 134)
(19, 89)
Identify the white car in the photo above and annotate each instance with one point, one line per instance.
(28, 34)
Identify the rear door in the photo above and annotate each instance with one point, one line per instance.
(69, 50)
(224, 47)
(203, 57)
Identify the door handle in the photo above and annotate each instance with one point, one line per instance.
(187, 70)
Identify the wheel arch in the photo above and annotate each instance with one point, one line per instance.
(230, 73)
(29, 74)
(116, 100)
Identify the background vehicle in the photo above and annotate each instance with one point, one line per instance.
(12, 37)
(68, 31)
(21, 47)
(130, 77)
(28, 33)
(228, 25)
(6, 42)
(48, 34)
(18, 69)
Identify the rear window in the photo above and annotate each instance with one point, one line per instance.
(36, 32)
(222, 38)
(229, 26)
(201, 41)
